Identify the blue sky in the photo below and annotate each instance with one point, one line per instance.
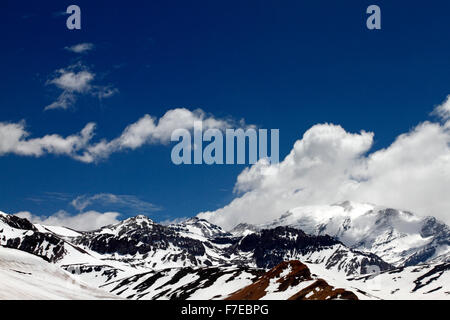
(287, 66)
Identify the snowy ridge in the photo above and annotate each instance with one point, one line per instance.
(429, 281)
(269, 247)
(200, 227)
(184, 283)
(141, 243)
(140, 259)
(398, 237)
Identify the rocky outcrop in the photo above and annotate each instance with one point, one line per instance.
(291, 280)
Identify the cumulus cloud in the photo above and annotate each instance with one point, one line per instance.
(14, 139)
(73, 80)
(443, 111)
(80, 48)
(128, 202)
(85, 221)
(76, 80)
(330, 164)
(95, 211)
(148, 130)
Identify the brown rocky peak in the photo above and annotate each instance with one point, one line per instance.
(284, 278)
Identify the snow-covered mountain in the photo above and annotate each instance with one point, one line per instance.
(269, 247)
(202, 228)
(140, 259)
(424, 282)
(184, 283)
(19, 233)
(27, 276)
(141, 243)
(398, 237)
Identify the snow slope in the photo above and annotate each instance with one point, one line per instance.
(26, 276)
(184, 283)
(422, 282)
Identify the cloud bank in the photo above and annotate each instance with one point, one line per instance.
(15, 139)
(443, 111)
(95, 211)
(85, 221)
(329, 165)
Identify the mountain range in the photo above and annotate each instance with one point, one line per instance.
(343, 251)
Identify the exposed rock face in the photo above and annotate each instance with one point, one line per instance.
(140, 235)
(199, 227)
(17, 223)
(100, 273)
(46, 246)
(184, 283)
(18, 233)
(291, 280)
(440, 235)
(273, 246)
(435, 273)
(320, 290)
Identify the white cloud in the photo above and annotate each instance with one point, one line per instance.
(129, 202)
(73, 81)
(76, 80)
(14, 139)
(167, 222)
(148, 130)
(85, 221)
(443, 110)
(103, 92)
(64, 101)
(80, 48)
(329, 165)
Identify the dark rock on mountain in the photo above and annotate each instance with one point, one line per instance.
(183, 283)
(29, 239)
(200, 227)
(273, 246)
(44, 245)
(17, 222)
(104, 272)
(139, 235)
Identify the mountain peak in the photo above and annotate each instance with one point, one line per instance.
(394, 235)
(199, 226)
(243, 229)
(291, 280)
(133, 223)
(139, 218)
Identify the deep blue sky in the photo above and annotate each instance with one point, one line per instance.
(278, 64)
